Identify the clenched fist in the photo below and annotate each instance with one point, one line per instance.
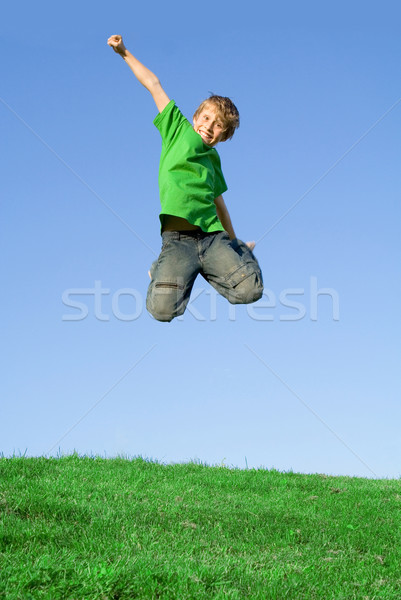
(116, 42)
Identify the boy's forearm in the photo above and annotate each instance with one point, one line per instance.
(148, 79)
(225, 219)
(229, 228)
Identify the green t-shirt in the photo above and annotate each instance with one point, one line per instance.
(190, 176)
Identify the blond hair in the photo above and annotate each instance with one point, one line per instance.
(226, 110)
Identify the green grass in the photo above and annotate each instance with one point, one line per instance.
(114, 529)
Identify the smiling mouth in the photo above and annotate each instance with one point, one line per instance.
(205, 136)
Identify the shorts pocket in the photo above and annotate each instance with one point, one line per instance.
(169, 285)
(239, 274)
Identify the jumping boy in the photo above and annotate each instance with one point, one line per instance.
(197, 233)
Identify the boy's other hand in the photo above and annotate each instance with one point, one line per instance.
(116, 42)
(251, 245)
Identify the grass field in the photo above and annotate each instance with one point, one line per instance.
(113, 529)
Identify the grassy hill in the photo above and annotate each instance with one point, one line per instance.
(112, 529)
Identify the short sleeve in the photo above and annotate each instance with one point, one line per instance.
(220, 185)
(169, 120)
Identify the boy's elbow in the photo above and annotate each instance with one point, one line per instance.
(153, 84)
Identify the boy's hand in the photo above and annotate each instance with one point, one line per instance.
(116, 42)
(251, 245)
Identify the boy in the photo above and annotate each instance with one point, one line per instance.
(197, 233)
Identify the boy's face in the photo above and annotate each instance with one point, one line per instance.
(209, 125)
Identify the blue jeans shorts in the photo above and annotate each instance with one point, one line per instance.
(228, 265)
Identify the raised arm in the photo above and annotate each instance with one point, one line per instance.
(142, 73)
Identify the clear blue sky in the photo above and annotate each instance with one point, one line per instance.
(317, 86)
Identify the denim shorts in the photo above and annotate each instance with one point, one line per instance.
(228, 265)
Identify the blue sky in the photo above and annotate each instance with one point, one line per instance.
(313, 176)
